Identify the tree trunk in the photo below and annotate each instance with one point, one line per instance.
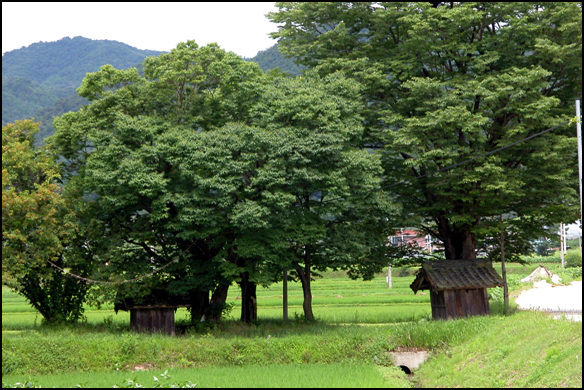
(504, 269)
(217, 303)
(199, 299)
(304, 275)
(249, 309)
(459, 243)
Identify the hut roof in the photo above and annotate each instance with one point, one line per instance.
(456, 274)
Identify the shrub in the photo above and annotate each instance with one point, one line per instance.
(574, 273)
(573, 258)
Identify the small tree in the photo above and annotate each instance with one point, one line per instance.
(37, 227)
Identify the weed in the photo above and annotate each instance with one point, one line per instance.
(21, 385)
(129, 344)
(10, 361)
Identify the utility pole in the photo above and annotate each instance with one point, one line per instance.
(579, 139)
(562, 243)
(285, 295)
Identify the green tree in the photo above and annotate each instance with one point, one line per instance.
(37, 227)
(447, 82)
(120, 152)
(234, 175)
(336, 218)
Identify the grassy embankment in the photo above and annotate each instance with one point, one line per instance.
(358, 323)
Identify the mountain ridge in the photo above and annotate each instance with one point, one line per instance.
(39, 81)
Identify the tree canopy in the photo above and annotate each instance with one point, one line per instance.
(235, 175)
(447, 82)
(38, 225)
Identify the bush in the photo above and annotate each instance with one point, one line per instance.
(573, 273)
(573, 258)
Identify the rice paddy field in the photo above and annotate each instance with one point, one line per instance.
(336, 299)
(358, 324)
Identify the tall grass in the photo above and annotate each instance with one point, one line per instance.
(528, 349)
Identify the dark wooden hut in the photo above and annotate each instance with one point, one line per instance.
(458, 288)
(153, 313)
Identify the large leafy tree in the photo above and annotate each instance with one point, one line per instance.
(234, 175)
(39, 228)
(120, 152)
(294, 190)
(336, 219)
(445, 83)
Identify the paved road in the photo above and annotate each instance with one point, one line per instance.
(561, 300)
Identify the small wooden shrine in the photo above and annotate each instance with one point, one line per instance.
(153, 313)
(458, 288)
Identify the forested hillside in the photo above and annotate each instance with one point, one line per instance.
(22, 98)
(272, 58)
(40, 81)
(62, 65)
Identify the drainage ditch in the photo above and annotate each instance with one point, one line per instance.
(408, 361)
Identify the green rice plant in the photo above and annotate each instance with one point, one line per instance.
(296, 343)
(572, 258)
(16, 321)
(370, 314)
(536, 259)
(357, 328)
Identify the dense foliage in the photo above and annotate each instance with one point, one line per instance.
(37, 226)
(22, 98)
(234, 175)
(446, 83)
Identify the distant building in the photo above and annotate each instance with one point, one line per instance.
(413, 237)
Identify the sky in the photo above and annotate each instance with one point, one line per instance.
(238, 27)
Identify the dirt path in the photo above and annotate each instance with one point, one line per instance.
(560, 300)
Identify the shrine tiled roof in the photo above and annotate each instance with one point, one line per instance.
(439, 275)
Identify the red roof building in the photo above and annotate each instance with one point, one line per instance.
(413, 237)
